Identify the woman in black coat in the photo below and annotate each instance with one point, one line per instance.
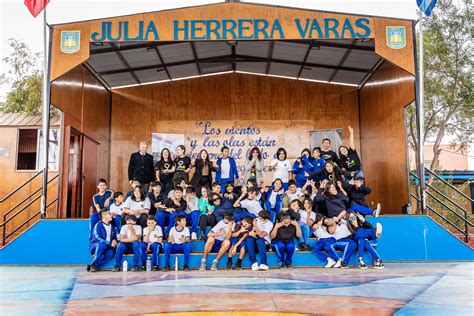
(203, 168)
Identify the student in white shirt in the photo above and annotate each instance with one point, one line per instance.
(227, 169)
(282, 167)
(218, 240)
(139, 205)
(344, 241)
(260, 237)
(152, 241)
(116, 209)
(130, 236)
(293, 193)
(250, 204)
(178, 242)
(325, 241)
(307, 218)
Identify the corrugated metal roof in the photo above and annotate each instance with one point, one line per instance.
(24, 119)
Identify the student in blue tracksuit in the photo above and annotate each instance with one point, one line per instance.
(227, 171)
(178, 242)
(104, 241)
(325, 242)
(260, 237)
(344, 239)
(302, 168)
(334, 201)
(284, 234)
(273, 199)
(318, 163)
(366, 238)
(100, 200)
(130, 243)
(356, 191)
(152, 241)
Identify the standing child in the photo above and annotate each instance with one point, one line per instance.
(227, 169)
(104, 241)
(165, 170)
(254, 166)
(116, 209)
(237, 241)
(218, 240)
(283, 235)
(349, 158)
(325, 241)
(282, 167)
(152, 241)
(260, 237)
(178, 242)
(318, 163)
(327, 153)
(130, 236)
(302, 168)
(101, 200)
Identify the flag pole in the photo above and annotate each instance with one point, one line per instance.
(45, 113)
(420, 118)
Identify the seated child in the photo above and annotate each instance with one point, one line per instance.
(192, 211)
(178, 242)
(365, 236)
(335, 202)
(156, 197)
(251, 204)
(206, 209)
(152, 241)
(283, 235)
(173, 206)
(260, 237)
(116, 209)
(307, 217)
(325, 241)
(237, 241)
(218, 240)
(344, 242)
(219, 208)
(100, 200)
(135, 183)
(274, 197)
(130, 235)
(356, 192)
(293, 193)
(104, 241)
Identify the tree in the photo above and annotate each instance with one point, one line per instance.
(448, 84)
(25, 78)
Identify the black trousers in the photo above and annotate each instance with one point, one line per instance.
(207, 220)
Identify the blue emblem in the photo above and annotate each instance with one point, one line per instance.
(70, 41)
(396, 37)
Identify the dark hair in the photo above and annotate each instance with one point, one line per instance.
(264, 214)
(207, 161)
(131, 217)
(101, 180)
(178, 218)
(281, 150)
(230, 184)
(224, 148)
(319, 217)
(229, 216)
(155, 184)
(318, 149)
(178, 189)
(285, 215)
(190, 189)
(102, 212)
(253, 182)
(253, 190)
(340, 154)
(142, 196)
(151, 218)
(326, 139)
(259, 153)
(182, 148)
(291, 182)
(117, 194)
(328, 186)
(248, 219)
(307, 150)
(169, 156)
(179, 180)
(277, 179)
(297, 201)
(214, 197)
(215, 184)
(207, 190)
(136, 180)
(309, 200)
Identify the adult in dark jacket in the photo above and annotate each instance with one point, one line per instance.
(141, 167)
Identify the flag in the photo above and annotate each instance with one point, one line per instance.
(426, 6)
(36, 6)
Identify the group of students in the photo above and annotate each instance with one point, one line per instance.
(321, 194)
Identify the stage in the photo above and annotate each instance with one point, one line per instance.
(401, 288)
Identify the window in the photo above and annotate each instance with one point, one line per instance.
(30, 149)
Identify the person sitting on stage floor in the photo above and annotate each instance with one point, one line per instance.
(192, 211)
(130, 235)
(176, 205)
(100, 200)
(250, 204)
(293, 193)
(178, 242)
(237, 241)
(227, 169)
(356, 192)
(302, 168)
(104, 241)
(325, 241)
(206, 209)
(260, 237)
(283, 235)
(218, 240)
(139, 205)
(116, 209)
(334, 201)
(365, 236)
(273, 197)
(156, 197)
(152, 241)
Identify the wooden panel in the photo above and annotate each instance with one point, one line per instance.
(383, 135)
(89, 174)
(274, 104)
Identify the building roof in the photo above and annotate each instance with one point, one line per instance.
(25, 119)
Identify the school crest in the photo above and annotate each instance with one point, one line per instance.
(396, 37)
(70, 41)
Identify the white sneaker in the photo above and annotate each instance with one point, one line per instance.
(194, 236)
(377, 210)
(330, 263)
(202, 267)
(263, 267)
(214, 265)
(255, 266)
(338, 263)
(378, 230)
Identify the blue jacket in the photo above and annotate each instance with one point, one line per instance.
(100, 235)
(278, 202)
(318, 164)
(299, 172)
(233, 173)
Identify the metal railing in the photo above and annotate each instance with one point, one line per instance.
(448, 205)
(31, 198)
